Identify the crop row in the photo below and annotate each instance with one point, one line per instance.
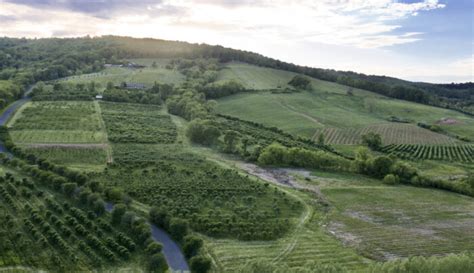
(458, 153)
(390, 133)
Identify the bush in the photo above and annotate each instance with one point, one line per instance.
(153, 248)
(391, 179)
(372, 140)
(157, 263)
(191, 245)
(203, 132)
(200, 264)
(178, 228)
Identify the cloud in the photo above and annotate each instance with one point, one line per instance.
(359, 23)
(343, 34)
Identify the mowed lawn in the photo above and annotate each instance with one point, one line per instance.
(386, 222)
(343, 118)
(58, 122)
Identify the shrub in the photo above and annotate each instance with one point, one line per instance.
(391, 179)
(191, 245)
(157, 263)
(372, 140)
(153, 248)
(200, 264)
(178, 228)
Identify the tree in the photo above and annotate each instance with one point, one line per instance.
(203, 132)
(159, 217)
(157, 263)
(380, 166)
(178, 228)
(300, 82)
(391, 179)
(200, 264)
(321, 139)
(153, 248)
(69, 189)
(117, 213)
(154, 64)
(191, 245)
(230, 140)
(372, 140)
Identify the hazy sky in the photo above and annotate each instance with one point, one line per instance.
(425, 40)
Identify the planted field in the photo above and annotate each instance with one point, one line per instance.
(306, 243)
(47, 230)
(391, 133)
(389, 222)
(458, 153)
(216, 201)
(75, 157)
(327, 106)
(137, 123)
(57, 122)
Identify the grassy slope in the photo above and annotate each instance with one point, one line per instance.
(147, 76)
(328, 106)
(397, 221)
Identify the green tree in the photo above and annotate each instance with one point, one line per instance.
(203, 132)
(231, 138)
(178, 228)
(391, 179)
(200, 264)
(372, 140)
(191, 245)
(117, 213)
(300, 82)
(157, 263)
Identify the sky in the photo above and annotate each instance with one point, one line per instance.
(419, 40)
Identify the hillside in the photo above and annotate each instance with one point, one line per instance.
(159, 156)
(327, 106)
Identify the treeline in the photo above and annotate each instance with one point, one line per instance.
(26, 61)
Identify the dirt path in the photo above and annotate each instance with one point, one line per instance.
(108, 148)
(306, 116)
(68, 145)
(281, 177)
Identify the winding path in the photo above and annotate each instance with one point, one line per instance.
(173, 255)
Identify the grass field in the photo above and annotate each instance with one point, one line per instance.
(385, 222)
(147, 76)
(343, 118)
(75, 157)
(57, 122)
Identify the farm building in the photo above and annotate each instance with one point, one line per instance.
(132, 85)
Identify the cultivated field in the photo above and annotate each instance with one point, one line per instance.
(345, 117)
(391, 133)
(78, 157)
(57, 122)
(45, 229)
(385, 222)
(137, 123)
(461, 153)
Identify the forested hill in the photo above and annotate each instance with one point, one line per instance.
(25, 61)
